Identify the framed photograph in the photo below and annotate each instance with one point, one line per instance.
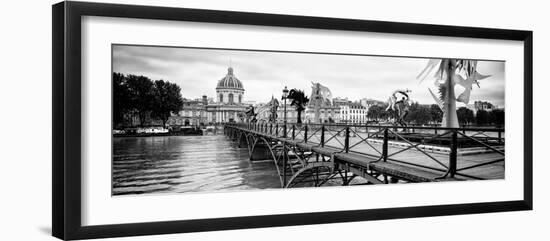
(170, 120)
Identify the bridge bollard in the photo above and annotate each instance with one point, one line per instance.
(385, 145)
(453, 154)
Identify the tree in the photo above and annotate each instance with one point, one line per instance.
(418, 114)
(465, 115)
(141, 96)
(299, 101)
(167, 100)
(497, 117)
(436, 113)
(374, 112)
(121, 99)
(482, 118)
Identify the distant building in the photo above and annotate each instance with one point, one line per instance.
(226, 107)
(338, 102)
(230, 100)
(328, 113)
(484, 105)
(355, 113)
(192, 113)
(291, 114)
(367, 103)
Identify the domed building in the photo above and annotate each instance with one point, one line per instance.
(225, 107)
(230, 89)
(229, 100)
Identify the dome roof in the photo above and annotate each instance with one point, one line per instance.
(230, 81)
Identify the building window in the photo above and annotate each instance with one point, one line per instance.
(240, 99)
(221, 98)
(230, 98)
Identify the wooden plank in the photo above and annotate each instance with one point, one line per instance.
(404, 172)
(362, 155)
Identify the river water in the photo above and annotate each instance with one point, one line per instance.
(178, 164)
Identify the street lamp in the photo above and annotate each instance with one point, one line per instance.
(285, 96)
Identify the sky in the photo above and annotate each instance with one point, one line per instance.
(265, 73)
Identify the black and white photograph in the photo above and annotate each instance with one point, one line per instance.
(191, 119)
(274, 120)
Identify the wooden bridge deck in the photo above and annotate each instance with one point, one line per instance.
(412, 164)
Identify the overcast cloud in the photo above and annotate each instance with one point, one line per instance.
(263, 74)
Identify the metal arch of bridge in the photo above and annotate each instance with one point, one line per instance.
(336, 156)
(308, 168)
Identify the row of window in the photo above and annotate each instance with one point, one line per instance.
(193, 113)
(230, 98)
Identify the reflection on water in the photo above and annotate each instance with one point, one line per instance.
(175, 164)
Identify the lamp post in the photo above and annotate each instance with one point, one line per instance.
(285, 153)
(285, 96)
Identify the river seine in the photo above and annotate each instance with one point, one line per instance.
(179, 164)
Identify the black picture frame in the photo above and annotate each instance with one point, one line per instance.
(66, 127)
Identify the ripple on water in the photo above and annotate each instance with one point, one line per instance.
(179, 164)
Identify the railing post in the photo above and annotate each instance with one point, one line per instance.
(285, 157)
(293, 132)
(322, 135)
(284, 131)
(270, 128)
(346, 141)
(277, 130)
(499, 137)
(305, 134)
(385, 145)
(453, 154)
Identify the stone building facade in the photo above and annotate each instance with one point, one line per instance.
(225, 107)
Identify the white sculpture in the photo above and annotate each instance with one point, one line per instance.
(451, 72)
(320, 96)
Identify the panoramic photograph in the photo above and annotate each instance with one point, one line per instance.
(188, 120)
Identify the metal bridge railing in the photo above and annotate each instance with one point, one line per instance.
(374, 141)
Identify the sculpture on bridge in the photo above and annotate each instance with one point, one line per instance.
(400, 105)
(249, 115)
(450, 72)
(273, 106)
(268, 112)
(320, 96)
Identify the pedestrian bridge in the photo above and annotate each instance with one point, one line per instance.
(315, 154)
